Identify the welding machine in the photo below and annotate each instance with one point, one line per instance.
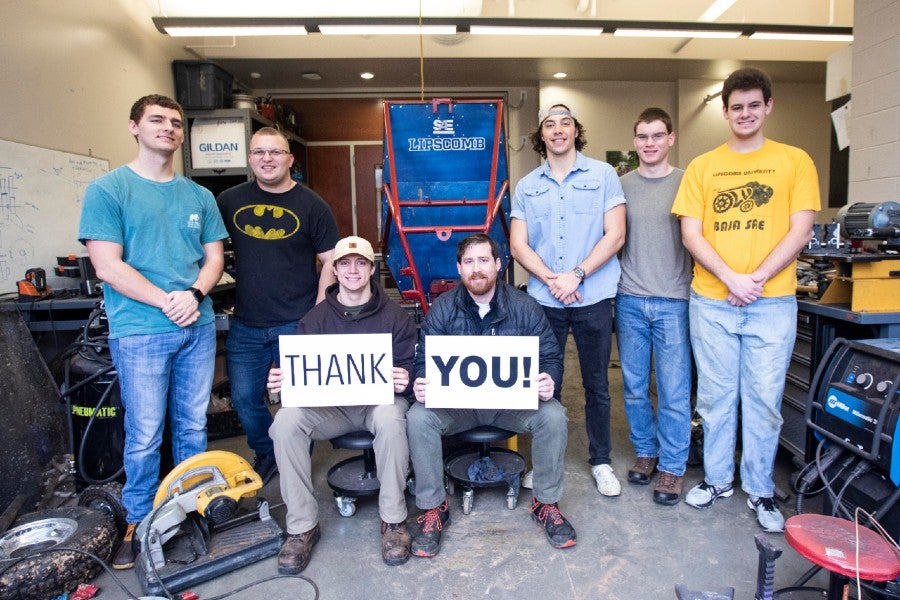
(855, 402)
(854, 407)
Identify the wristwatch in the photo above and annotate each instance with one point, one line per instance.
(199, 296)
(579, 272)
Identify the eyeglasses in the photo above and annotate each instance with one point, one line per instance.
(276, 153)
(656, 137)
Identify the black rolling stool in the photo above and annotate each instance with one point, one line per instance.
(456, 465)
(356, 476)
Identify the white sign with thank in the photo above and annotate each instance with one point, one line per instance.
(336, 370)
(481, 371)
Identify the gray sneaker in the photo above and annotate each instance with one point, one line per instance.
(767, 514)
(703, 495)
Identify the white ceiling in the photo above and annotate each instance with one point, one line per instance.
(466, 60)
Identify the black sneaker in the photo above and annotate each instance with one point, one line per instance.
(265, 466)
(560, 532)
(427, 542)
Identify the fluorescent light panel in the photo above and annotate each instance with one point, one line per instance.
(566, 31)
(715, 10)
(228, 31)
(801, 37)
(677, 33)
(387, 29)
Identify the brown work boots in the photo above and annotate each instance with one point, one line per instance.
(643, 469)
(296, 551)
(668, 489)
(395, 540)
(297, 548)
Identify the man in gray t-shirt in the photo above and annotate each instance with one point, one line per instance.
(652, 313)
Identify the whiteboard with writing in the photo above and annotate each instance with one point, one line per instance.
(40, 205)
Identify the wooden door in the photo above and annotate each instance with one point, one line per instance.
(329, 176)
(366, 159)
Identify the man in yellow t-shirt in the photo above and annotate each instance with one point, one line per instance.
(746, 210)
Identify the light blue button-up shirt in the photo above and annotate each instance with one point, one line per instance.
(565, 222)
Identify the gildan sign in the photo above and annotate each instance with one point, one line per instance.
(481, 372)
(336, 370)
(218, 143)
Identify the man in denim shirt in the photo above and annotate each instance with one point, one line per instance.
(568, 223)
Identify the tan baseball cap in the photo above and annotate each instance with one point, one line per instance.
(354, 245)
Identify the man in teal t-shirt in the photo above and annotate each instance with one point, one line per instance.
(155, 239)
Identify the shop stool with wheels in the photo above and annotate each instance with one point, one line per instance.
(829, 543)
(354, 477)
(456, 465)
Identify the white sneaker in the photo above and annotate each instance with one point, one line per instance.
(767, 514)
(607, 484)
(528, 480)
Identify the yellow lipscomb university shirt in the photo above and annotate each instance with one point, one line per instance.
(745, 202)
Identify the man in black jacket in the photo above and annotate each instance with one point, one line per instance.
(354, 305)
(484, 306)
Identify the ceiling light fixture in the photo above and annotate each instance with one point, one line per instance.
(716, 10)
(560, 75)
(548, 30)
(367, 75)
(234, 31)
(387, 29)
(233, 26)
(311, 76)
(800, 37)
(677, 33)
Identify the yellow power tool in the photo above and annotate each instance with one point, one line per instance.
(210, 483)
(194, 532)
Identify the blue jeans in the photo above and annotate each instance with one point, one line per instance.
(548, 426)
(159, 373)
(657, 327)
(250, 352)
(592, 329)
(742, 356)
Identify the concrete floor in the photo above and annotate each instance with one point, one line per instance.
(628, 547)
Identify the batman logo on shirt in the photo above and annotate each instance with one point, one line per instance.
(266, 222)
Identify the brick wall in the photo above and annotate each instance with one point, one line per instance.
(874, 125)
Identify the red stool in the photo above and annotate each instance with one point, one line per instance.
(831, 543)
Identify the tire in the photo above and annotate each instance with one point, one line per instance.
(106, 498)
(47, 575)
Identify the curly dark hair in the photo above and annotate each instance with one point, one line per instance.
(541, 148)
(748, 78)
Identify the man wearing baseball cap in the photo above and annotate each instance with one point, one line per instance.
(355, 304)
(568, 223)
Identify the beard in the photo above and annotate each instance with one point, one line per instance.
(480, 284)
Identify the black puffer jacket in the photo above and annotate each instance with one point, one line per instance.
(513, 312)
(379, 315)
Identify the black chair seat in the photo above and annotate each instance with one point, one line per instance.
(484, 434)
(355, 440)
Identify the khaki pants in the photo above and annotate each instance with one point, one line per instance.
(292, 432)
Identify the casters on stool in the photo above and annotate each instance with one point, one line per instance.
(354, 477)
(456, 466)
